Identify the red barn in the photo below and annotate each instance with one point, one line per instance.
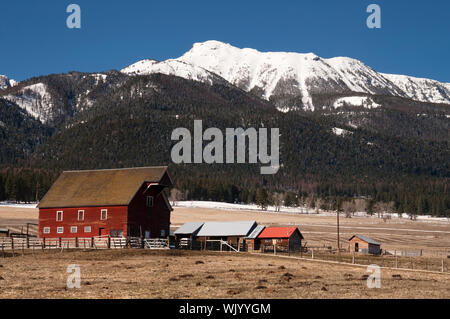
(115, 202)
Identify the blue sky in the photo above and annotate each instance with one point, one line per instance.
(414, 38)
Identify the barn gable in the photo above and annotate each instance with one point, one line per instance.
(113, 187)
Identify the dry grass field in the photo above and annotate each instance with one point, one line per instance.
(180, 274)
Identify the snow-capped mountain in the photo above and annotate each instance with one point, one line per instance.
(173, 67)
(424, 90)
(5, 82)
(291, 79)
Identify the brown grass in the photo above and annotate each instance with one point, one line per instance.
(177, 274)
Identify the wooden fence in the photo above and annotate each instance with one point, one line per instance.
(15, 244)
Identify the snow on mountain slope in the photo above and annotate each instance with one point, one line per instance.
(35, 99)
(6, 83)
(282, 73)
(289, 77)
(424, 90)
(363, 101)
(172, 67)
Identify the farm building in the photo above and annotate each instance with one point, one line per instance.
(365, 245)
(284, 238)
(253, 243)
(234, 233)
(115, 202)
(188, 230)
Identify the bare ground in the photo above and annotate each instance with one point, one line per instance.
(179, 274)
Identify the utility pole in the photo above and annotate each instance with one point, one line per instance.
(338, 239)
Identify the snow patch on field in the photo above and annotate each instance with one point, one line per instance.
(18, 205)
(288, 210)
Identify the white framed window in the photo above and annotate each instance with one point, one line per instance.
(60, 230)
(73, 229)
(87, 229)
(81, 215)
(149, 201)
(163, 233)
(59, 216)
(46, 230)
(104, 214)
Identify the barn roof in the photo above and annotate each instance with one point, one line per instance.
(227, 229)
(278, 232)
(189, 229)
(110, 187)
(254, 234)
(366, 239)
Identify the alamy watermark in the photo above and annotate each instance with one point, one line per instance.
(374, 280)
(74, 19)
(74, 277)
(213, 152)
(374, 20)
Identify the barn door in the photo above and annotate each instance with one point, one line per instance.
(102, 232)
(356, 247)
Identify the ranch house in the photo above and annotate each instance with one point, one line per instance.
(114, 202)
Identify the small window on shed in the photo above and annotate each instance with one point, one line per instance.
(73, 229)
(104, 214)
(113, 233)
(59, 216)
(163, 233)
(60, 230)
(46, 230)
(149, 201)
(87, 229)
(81, 215)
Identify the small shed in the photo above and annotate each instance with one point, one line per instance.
(4, 232)
(364, 245)
(283, 238)
(252, 240)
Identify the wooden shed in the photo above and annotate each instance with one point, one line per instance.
(364, 245)
(283, 238)
(114, 202)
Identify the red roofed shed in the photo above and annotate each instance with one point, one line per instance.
(285, 239)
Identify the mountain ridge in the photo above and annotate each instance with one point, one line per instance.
(276, 76)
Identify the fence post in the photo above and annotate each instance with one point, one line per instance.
(396, 260)
(353, 258)
(92, 242)
(76, 242)
(12, 246)
(60, 241)
(312, 253)
(43, 243)
(28, 242)
(109, 242)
